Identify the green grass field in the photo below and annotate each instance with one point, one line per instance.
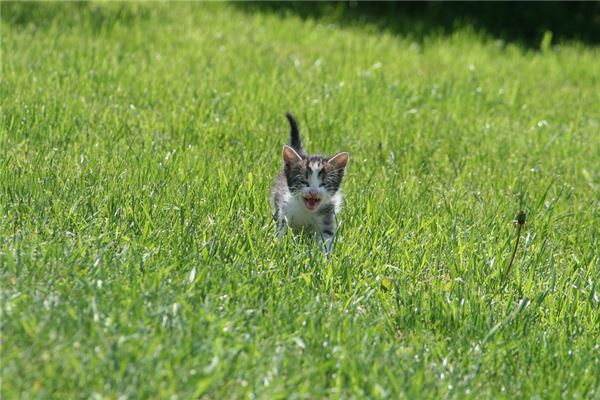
(138, 143)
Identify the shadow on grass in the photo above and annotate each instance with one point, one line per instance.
(68, 14)
(524, 23)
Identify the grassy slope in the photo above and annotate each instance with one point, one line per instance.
(137, 258)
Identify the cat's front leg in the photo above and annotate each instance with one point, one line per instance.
(327, 243)
(327, 227)
(326, 236)
(282, 226)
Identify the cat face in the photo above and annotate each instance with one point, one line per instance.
(314, 179)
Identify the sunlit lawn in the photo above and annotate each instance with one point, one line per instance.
(138, 143)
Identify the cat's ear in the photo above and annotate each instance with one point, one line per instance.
(290, 156)
(339, 160)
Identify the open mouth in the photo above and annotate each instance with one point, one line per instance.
(311, 202)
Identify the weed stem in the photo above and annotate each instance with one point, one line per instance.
(520, 222)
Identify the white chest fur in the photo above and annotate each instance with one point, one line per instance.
(298, 217)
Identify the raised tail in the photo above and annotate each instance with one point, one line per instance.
(295, 142)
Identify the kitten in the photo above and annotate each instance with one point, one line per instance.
(306, 193)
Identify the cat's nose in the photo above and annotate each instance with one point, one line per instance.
(313, 193)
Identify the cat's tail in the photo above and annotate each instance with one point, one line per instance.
(295, 142)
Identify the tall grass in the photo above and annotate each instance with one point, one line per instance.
(137, 256)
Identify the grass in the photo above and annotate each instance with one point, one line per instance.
(138, 143)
